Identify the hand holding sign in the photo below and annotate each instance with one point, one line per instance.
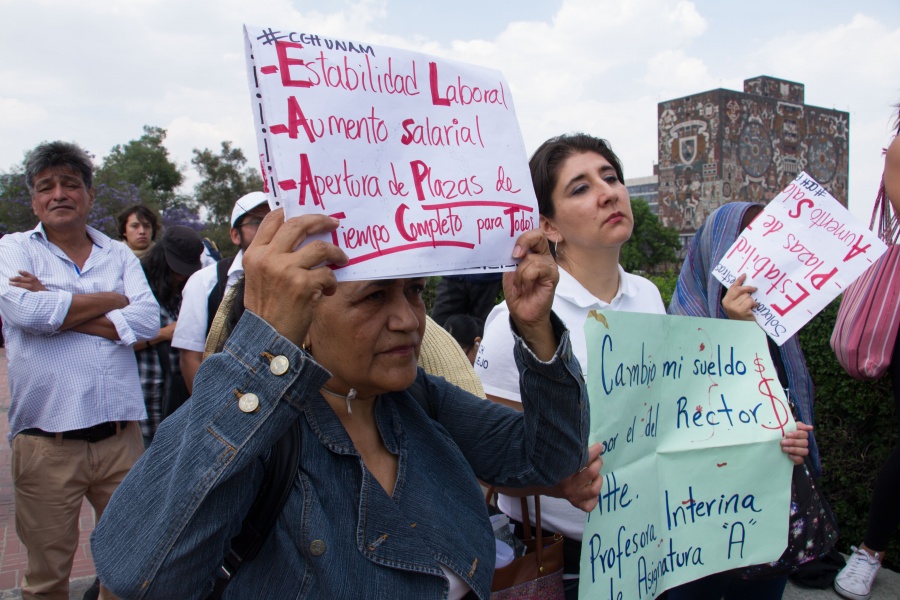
(582, 489)
(271, 263)
(796, 443)
(696, 482)
(419, 157)
(529, 292)
(738, 302)
(800, 253)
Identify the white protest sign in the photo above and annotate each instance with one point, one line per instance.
(690, 414)
(420, 157)
(803, 250)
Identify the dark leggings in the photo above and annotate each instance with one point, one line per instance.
(714, 587)
(884, 512)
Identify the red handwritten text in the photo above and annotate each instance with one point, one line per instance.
(285, 62)
(441, 135)
(370, 129)
(360, 77)
(518, 224)
(504, 183)
(396, 186)
(488, 224)
(349, 184)
(439, 225)
(372, 236)
(441, 188)
(463, 94)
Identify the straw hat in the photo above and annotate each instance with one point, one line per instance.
(215, 339)
(442, 356)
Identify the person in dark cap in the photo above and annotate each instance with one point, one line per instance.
(167, 265)
(204, 292)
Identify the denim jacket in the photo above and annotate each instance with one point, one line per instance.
(340, 534)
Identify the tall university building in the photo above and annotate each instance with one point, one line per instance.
(721, 146)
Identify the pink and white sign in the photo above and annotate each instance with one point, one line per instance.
(420, 157)
(801, 252)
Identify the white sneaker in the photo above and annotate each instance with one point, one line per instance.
(855, 580)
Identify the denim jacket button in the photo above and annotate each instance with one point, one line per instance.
(279, 365)
(249, 403)
(317, 547)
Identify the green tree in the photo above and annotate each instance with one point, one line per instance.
(15, 203)
(145, 163)
(224, 177)
(665, 282)
(16, 213)
(651, 243)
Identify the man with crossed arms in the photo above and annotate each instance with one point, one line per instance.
(73, 303)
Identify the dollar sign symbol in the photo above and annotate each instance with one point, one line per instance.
(778, 407)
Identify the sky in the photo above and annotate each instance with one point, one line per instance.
(95, 72)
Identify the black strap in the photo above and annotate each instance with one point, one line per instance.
(778, 361)
(420, 395)
(175, 392)
(278, 478)
(218, 292)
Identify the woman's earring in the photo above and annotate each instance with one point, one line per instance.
(555, 248)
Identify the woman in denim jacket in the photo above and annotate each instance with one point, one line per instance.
(386, 503)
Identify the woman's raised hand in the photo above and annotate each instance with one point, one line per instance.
(737, 303)
(283, 287)
(529, 292)
(796, 443)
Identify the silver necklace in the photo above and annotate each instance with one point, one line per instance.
(351, 395)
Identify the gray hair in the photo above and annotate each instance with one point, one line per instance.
(58, 154)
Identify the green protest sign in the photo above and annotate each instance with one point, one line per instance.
(691, 414)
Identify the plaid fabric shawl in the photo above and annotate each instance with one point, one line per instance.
(152, 377)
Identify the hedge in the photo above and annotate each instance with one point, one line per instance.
(856, 429)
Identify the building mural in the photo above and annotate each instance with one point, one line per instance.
(720, 146)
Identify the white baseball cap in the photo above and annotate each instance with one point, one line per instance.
(245, 204)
